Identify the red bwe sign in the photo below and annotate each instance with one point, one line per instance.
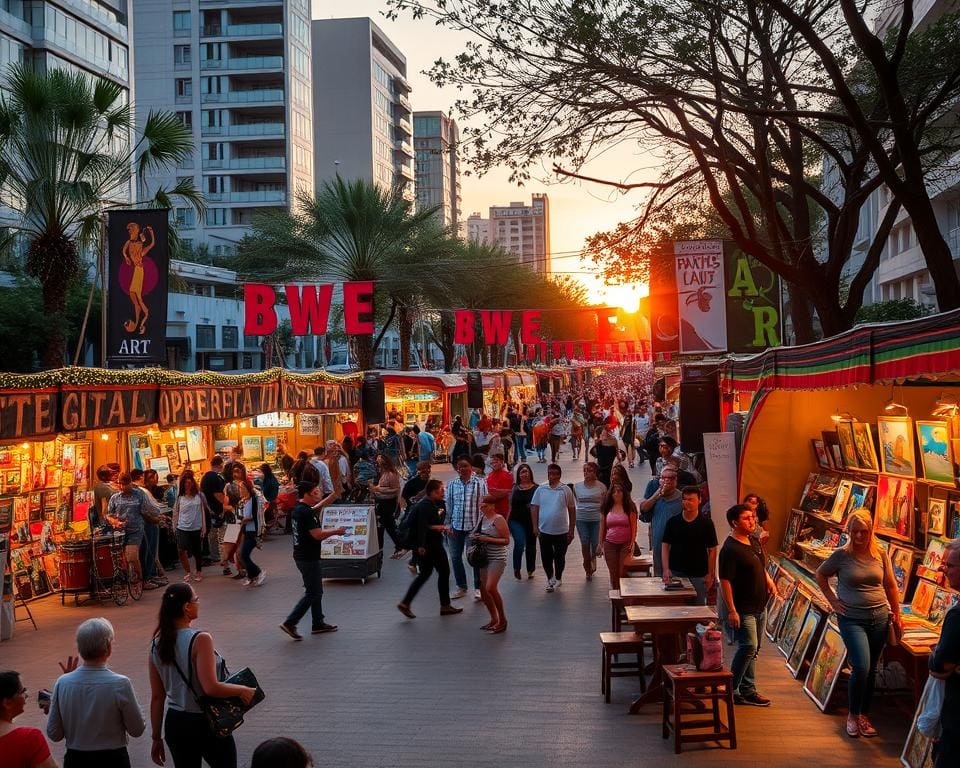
(309, 307)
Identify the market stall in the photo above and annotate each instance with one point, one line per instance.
(494, 392)
(521, 386)
(424, 398)
(866, 419)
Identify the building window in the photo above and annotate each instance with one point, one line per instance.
(181, 55)
(231, 336)
(216, 217)
(206, 336)
(181, 21)
(246, 361)
(251, 342)
(186, 218)
(184, 87)
(186, 119)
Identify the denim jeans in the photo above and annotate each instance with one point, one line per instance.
(148, 551)
(699, 583)
(589, 533)
(247, 546)
(864, 639)
(520, 441)
(744, 665)
(523, 543)
(456, 542)
(312, 599)
(541, 449)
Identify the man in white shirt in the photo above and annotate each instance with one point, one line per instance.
(462, 502)
(553, 510)
(326, 483)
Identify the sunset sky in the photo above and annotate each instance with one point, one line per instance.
(576, 210)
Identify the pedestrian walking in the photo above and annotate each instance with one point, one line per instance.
(462, 501)
(190, 515)
(589, 495)
(492, 532)
(553, 511)
(618, 531)
(250, 517)
(520, 521)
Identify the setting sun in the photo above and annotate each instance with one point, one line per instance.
(626, 296)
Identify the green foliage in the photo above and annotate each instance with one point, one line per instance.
(892, 310)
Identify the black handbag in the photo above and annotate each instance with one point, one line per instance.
(224, 715)
(477, 555)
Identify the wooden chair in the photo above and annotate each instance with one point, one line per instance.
(691, 705)
(617, 643)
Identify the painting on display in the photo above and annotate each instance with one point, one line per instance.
(309, 424)
(805, 638)
(839, 508)
(923, 598)
(793, 621)
(917, 751)
(936, 516)
(896, 445)
(826, 665)
(848, 447)
(826, 483)
(792, 531)
(196, 447)
(901, 559)
(831, 442)
(775, 610)
(936, 458)
(862, 496)
(270, 448)
(866, 453)
(252, 448)
(820, 453)
(933, 557)
(140, 452)
(943, 601)
(162, 466)
(894, 509)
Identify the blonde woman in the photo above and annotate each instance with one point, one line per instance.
(865, 602)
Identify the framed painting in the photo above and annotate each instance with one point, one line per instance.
(140, 452)
(774, 614)
(848, 446)
(831, 442)
(896, 445)
(901, 559)
(917, 748)
(943, 601)
(270, 448)
(839, 506)
(894, 510)
(826, 483)
(785, 584)
(862, 496)
(196, 447)
(792, 531)
(866, 453)
(826, 665)
(183, 453)
(224, 448)
(162, 466)
(807, 486)
(932, 558)
(792, 621)
(820, 454)
(923, 598)
(806, 637)
(252, 448)
(936, 457)
(936, 516)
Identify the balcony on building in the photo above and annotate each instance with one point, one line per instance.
(405, 172)
(252, 130)
(248, 196)
(239, 22)
(247, 55)
(256, 88)
(403, 128)
(401, 84)
(403, 148)
(263, 157)
(404, 102)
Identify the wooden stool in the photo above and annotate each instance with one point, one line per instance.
(682, 684)
(638, 565)
(616, 610)
(614, 644)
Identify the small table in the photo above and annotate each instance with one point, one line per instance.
(664, 622)
(646, 591)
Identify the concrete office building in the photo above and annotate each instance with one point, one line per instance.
(237, 73)
(436, 141)
(362, 125)
(524, 230)
(478, 229)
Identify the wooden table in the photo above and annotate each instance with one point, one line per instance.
(647, 591)
(664, 622)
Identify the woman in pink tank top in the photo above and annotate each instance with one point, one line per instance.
(618, 531)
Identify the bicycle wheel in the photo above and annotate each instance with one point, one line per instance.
(118, 589)
(134, 585)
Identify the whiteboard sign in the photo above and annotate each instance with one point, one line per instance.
(720, 451)
(360, 539)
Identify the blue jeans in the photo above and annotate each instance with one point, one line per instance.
(523, 543)
(312, 599)
(744, 665)
(148, 550)
(589, 533)
(864, 639)
(541, 450)
(456, 542)
(246, 550)
(520, 441)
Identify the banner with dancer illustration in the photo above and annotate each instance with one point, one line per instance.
(137, 296)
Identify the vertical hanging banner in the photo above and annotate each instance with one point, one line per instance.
(662, 304)
(701, 300)
(137, 265)
(754, 317)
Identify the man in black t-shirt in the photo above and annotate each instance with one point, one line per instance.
(690, 546)
(415, 488)
(746, 587)
(427, 529)
(211, 486)
(307, 538)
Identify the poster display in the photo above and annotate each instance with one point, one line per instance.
(701, 301)
(359, 541)
(720, 452)
(754, 316)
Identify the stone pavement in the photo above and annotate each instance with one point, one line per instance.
(388, 691)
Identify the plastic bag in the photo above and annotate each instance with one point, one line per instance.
(928, 721)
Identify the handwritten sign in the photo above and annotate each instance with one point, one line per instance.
(701, 305)
(720, 452)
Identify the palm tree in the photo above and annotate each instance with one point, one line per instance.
(65, 156)
(350, 231)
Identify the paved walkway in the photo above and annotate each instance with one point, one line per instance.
(387, 691)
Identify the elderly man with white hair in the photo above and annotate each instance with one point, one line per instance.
(92, 707)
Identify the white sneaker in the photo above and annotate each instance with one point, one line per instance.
(557, 583)
(261, 578)
(188, 578)
(245, 583)
(550, 585)
(458, 594)
(476, 594)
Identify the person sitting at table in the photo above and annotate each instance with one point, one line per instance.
(690, 546)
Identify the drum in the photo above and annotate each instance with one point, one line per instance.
(75, 568)
(103, 560)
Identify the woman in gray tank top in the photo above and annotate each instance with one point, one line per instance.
(496, 535)
(183, 666)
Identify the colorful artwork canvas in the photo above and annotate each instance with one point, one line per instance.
(901, 559)
(896, 445)
(862, 496)
(848, 447)
(826, 665)
(933, 557)
(923, 598)
(805, 638)
(820, 454)
(894, 508)
(839, 507)
(831, 441)
(252, 448)
(774, 614)
(943, 601)
(936, 516)
(936, 458)
(811, 479)
(792, 621)
(196, 447)
(827, 483)
(792, 531)
(139, 450)
(270, 448)
(866, 453)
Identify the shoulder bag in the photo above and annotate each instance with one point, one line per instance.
(477, 555)
(224, 715)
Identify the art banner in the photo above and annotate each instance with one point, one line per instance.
(106, 407)
(754, 317)
(701, 305)
(182, 406)
(322, 397)
(137, 265)
(662, 303)
(26, 413)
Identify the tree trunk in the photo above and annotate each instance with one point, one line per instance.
(800, 315)
(363, 350)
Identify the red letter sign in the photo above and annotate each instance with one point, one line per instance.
(496, 326)
(309, 308)
(464, 331)
(530, 326)
(358, 307)
(260, 318)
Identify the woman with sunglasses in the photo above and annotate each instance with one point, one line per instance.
(19, 747)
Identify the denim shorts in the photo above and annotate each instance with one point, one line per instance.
(589, 533)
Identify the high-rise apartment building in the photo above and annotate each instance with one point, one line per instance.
(478, 229)
(362, 125)
(523, 230)
(435, 143)
(237, 73)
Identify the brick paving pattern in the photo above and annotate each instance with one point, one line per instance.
(436, 691)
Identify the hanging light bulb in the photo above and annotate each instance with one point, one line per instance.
(946, 406)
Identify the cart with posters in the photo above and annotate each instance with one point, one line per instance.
(356, 554)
